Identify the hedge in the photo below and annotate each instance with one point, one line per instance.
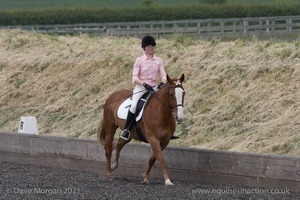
(90, 15)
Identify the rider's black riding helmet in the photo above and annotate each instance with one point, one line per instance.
(148, 40)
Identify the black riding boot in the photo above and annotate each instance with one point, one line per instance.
(125, 133)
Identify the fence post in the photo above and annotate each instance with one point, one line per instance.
(222, 26)
(198, 28)
(245, 26)
(289, 25)
(209, 28)
(267, 26)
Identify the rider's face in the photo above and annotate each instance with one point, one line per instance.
(149, 49)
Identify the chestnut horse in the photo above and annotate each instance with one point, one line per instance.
(158, 124)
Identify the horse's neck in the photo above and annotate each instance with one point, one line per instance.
(160, 103)
(163, 97)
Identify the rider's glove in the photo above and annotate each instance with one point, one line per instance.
(148, 87)
(160, 85)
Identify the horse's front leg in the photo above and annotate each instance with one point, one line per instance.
(148, 168)
(157, 151)
(121, 143)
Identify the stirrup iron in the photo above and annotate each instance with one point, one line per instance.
(125, 134)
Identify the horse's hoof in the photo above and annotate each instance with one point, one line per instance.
(168, 182)
(110, 177)
(146, 178)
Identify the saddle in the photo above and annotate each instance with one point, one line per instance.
(124, 107)
(123, 111)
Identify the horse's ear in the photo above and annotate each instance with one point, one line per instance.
(181, 78)
(169, 79)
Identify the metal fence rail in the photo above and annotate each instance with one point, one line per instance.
(233, 27)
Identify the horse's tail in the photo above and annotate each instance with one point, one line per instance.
(101, 133)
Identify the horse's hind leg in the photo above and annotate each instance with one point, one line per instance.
(108, 146)
(121, 143)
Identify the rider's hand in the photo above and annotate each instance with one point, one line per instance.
(160, 85)
(148, 87)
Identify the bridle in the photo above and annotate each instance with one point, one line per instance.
(172, 107)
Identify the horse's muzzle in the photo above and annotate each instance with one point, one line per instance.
(179, 119)
(179, 114)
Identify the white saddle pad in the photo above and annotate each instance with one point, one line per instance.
(123, 110)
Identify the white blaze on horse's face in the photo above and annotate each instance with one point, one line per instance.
(179, 99)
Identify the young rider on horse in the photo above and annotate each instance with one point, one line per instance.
(147, 69)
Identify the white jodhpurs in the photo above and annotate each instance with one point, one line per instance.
(138, 92)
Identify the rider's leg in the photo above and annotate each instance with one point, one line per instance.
(137, 94)
(125, 133)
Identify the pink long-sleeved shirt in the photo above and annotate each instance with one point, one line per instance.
(148, 70)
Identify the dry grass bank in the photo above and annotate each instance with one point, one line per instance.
(242, 95)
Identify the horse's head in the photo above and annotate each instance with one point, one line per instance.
(176, 97)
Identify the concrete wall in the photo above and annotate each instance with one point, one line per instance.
(185, 164)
